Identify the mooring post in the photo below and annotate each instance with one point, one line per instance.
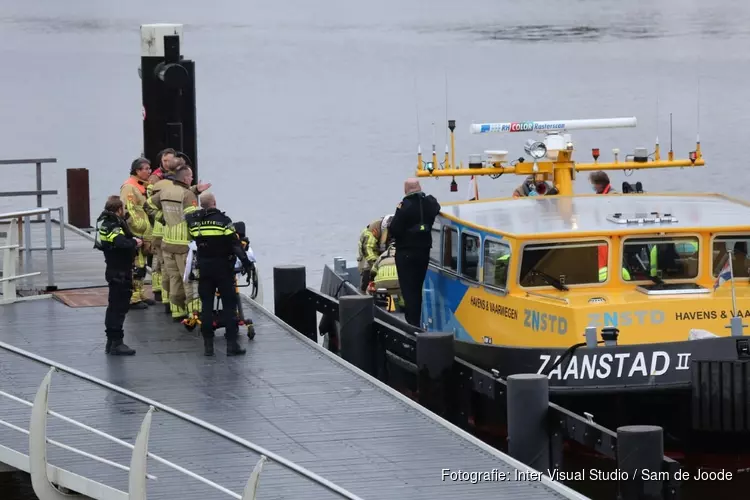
(528, 433)
(591, 339)
(435, 381)
(357, 342)
(79, 210)
(290, 302)
(639, 448)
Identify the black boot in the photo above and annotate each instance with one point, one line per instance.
(208, 346)
(120, 349)
(108, 347)
(139, 305)
(157, 297)
(233, 348)
(167, 309)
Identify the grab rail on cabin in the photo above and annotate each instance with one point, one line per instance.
(550, 297)
(397, 365)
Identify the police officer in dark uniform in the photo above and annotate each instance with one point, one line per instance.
(411, 229)
(114, 238)
(218, 245)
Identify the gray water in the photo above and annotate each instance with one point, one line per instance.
(307, 111)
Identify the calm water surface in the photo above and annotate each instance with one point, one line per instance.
(307, 111)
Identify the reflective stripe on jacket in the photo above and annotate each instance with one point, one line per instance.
(133, 196)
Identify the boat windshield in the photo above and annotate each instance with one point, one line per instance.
(645, 259)
(740, 261)
(568, 263)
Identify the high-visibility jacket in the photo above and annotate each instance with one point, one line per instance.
(501, 270)
(161, 180)
(604, 270)
(174, 200)
(384, 270)
(133, 196)
(369, 245)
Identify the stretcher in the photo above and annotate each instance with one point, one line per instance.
(251, 280)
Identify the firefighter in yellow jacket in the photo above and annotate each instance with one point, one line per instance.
(175, 201)
(372, 241)
(133, 197)
(384, 276)
(165, 158)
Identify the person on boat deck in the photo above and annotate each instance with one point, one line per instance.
(384, 274)
(411, 229)
(600, 183)
(371, 244)
(535, 187)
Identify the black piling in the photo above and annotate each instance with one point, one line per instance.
(435, 356)
(357, 342)
(528, 432)
(640, 448)
(290, 301)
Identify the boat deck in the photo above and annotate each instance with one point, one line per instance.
(287, 395)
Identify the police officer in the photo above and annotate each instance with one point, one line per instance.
(411, 229)
(218, 246)
(115, 239)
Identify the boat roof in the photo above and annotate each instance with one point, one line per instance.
(544, 216)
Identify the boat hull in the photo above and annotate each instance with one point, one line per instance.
(697, 390)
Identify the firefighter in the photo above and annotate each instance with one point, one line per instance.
(174, 201)
(165, 158)
(170, 162)
(114, 238)
(371, 244)
(133, 197)
(218, 248)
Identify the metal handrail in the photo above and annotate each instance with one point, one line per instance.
(188, 418)
(27, 248)
(114, 440)
(39, 192)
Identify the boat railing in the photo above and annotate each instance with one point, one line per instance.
(18, 238)
(549, 297)
(137, 476)
(38, 192)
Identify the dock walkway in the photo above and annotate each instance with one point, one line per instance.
(309, 407)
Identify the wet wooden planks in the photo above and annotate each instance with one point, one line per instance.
(283, 395)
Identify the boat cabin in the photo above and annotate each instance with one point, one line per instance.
(551, 266)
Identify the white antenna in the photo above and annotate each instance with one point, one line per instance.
(446, 110)
(698, 139)
(657, 112)
(552, 126)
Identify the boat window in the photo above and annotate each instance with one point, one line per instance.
(662, 257)
(740, 261)
(435, 249)
(450, 249)
(470, 256)
(574, 263)
(496, 260)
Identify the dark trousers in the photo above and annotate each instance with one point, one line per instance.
(411, 266)
(120, 289)
(217, 275)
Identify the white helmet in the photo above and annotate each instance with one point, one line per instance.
(386, 222)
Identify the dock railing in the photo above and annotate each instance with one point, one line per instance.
(425, 366)
(39, 192)
(137, 476)
(18, 238)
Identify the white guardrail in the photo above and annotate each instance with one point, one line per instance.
(43, 475)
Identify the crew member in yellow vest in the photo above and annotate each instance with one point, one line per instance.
(175, 201)
(384, 275)
(372, 242)
(133, 197)
(165, 158)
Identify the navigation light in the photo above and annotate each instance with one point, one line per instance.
(693, 156)
(595, 153)
(535, 149)
(429, 166)
(454, 186)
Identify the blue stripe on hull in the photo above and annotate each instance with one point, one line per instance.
(441, 297)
